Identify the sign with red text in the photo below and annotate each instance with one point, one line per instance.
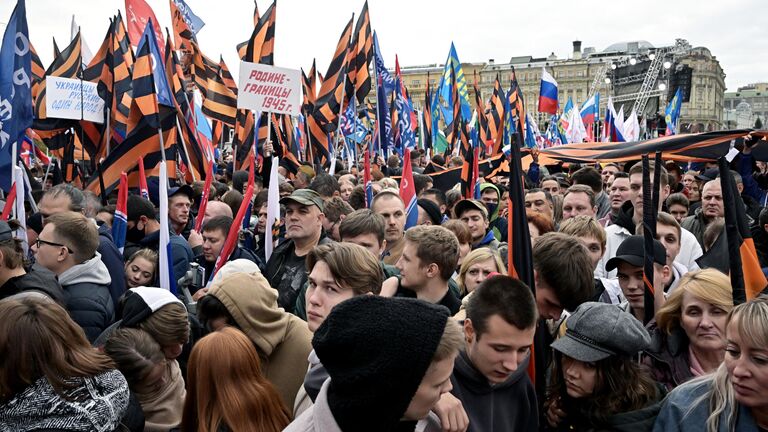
(267, 88)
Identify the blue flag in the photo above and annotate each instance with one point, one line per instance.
(15, 91)
(163, 90)
(443, 97)
(672, 113)
(193, 21)
(387, 81)
(404, 136)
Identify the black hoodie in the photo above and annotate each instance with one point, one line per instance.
(509, 406)
(624, 217)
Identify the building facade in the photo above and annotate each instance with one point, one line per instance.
(742, 108)
(618, 71)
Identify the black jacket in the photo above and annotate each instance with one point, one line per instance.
(180, 251)
(38, 279)
(89, 303)
(286, 277)
(113, 259)
(509, 406)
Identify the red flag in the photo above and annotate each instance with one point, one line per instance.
(143, 188)
(138, 13)
(9, 201)
(234, 231)
(204, 198)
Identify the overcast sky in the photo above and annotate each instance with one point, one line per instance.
(421, 32)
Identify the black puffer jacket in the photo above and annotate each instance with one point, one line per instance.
(37, 279)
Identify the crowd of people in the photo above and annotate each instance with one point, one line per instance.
(341, 319)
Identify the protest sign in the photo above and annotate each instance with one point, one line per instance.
(74, 99)
(266, 88)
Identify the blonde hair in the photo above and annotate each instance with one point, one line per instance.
(474, 257)
(752, 326)
(708, 285)
(450, 342)
(584, 226)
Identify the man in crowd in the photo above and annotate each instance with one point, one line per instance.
(631, 214)
(589, 176)
(554, 185)
(491, 371)
(179, 205)
(335, 209)
(389, 205)
(711, 208)
(65, 197)
(428, 260)
(67, 247)
(491, 197)
(144, 232)
(214, 235)
(618, 194)
(475, 215)
(429, 212)
(286, 270)
(628, 263)
(540, 201)
(438, 197)
(579, 200)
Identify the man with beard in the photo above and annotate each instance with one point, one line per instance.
(144, 232)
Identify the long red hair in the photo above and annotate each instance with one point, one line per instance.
(225, 386)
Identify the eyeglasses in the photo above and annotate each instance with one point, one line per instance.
(40, 241)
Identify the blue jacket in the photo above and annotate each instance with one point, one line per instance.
(113, 259)
(678, 413)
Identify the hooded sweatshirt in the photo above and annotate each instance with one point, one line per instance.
(90, 302)
(282, 339)
(509, 406)
(95, 403)
(497, 224)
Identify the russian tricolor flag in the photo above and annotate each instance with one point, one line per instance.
(589, 110)
(548, 93)
(120, 224)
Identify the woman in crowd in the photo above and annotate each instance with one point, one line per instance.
(734, 397)
(52, 379)
(156, 382)
(597, 383)
(477, 266)
(141, 268)
(227, 390)
(538, 225)
(688, 336)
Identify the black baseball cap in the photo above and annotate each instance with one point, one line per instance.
(632, 251)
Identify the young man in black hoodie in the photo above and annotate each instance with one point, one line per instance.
(490, 375)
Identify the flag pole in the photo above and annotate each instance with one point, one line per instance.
(269, 136)
(184, 147)
(108, 131)
(343, 88)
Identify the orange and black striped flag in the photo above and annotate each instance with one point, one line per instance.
(242, 46)
(261, 46)
(219, 102)
(427, 115)
(496, 117)
(309, 86)
(482, 120)
(361, 53)
(145, 118)
(470, 166)
(38, 71)
(243, 139)
(747, 278)
(182, 34)
(330, 98)
(283, 142)
(516, 104)
(454, 130)
(68, 64)
(226, 75)
(115, 84)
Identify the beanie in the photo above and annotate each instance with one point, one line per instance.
(376, 351)
(433, 211)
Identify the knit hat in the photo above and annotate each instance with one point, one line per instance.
(433, 211)
(141, 302)
(596, 331)
(376, 351)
